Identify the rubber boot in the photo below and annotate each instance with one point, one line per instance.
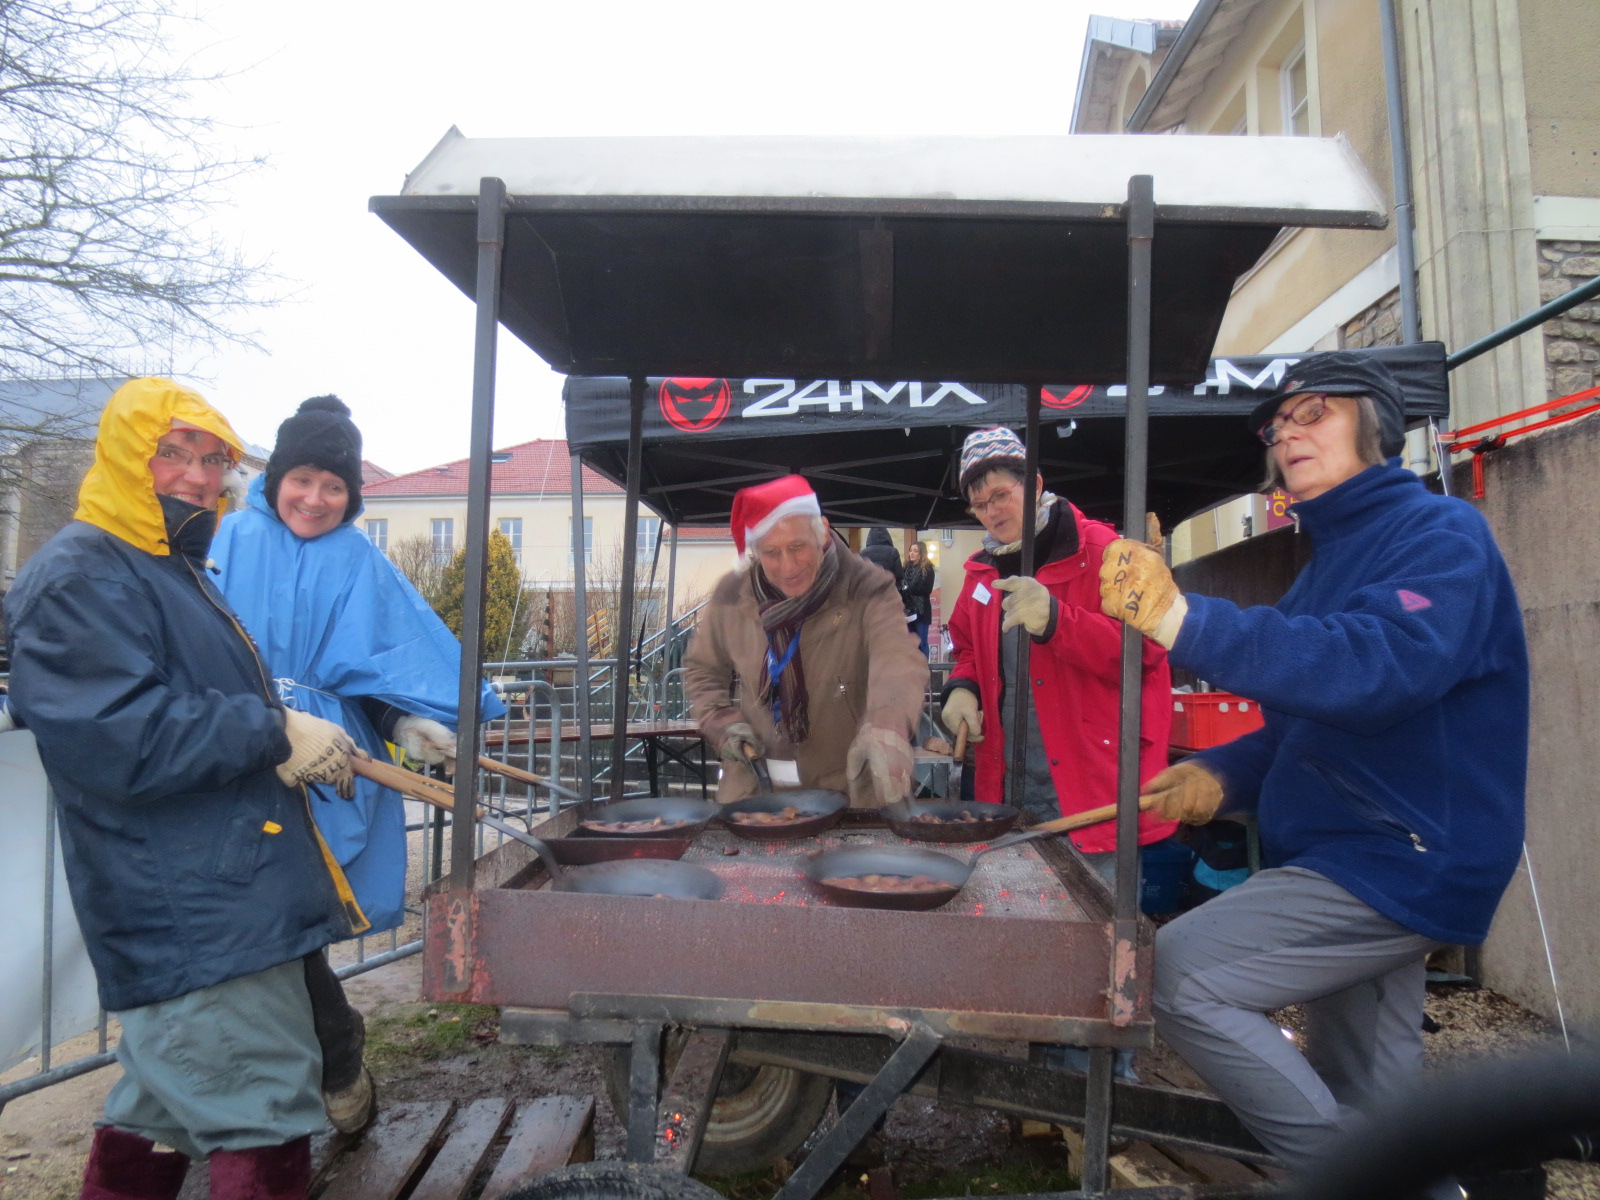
(125, 1166)
(262, 1172)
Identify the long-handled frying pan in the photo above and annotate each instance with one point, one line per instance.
(819, 809)
(626, 877)
(852, 862)
(678, 817)
(949, 820)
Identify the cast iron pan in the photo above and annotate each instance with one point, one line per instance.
(994, 820)
(697, 814)
(885, 860)
(821, 810)
(630, 877)
(851, 861)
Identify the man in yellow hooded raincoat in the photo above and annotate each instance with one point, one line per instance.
(196, 871)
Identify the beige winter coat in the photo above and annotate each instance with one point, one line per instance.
(862, 667)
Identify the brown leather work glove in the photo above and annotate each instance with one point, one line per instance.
(1136, 586)
(1185, 792)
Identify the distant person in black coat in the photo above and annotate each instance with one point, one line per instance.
(880, 550)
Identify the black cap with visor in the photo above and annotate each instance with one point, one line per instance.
(1343, 373)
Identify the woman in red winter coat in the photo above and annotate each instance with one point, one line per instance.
(1074, 659)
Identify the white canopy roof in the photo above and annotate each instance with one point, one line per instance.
(1319, 177)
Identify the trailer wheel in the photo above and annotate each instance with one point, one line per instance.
(612, 1181)
(760, 1113)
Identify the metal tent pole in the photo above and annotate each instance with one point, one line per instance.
(580, 620)
(669, 628)
(1123, 992)
(1021, 693)
(491, 252)
(630, 551)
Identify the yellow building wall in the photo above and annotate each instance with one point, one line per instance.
(546, 539)
(1559, 40)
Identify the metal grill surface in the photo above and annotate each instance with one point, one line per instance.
(1014, 882)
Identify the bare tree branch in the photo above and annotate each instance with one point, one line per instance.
(107, 174)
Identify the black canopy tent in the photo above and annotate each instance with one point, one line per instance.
(882, 453)
(1019, 260)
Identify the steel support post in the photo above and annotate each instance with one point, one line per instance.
(686, 1102)
(491, 251)
(1021, 693)
(630, 553)
(1123, 991)
(580, 619)
(670, 623)
(644, 1083)
(855, 1122)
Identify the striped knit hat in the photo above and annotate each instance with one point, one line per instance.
(990, 450)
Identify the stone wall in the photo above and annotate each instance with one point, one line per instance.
(1545, 511)
(1376, 325)
(1572, 340)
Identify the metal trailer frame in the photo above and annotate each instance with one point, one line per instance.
(457, 911)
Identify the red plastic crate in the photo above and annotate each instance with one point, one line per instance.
(1201, 719)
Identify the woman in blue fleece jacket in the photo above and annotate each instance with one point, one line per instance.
(1388, 780)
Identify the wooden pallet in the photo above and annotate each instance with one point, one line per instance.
(433, 1150)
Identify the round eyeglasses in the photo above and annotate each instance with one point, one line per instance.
(179, 457)
(1308, 412)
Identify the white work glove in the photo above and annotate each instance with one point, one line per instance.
(319, 752)
(1029, 604)
(962, 705)
(425, 740)
(880, 759)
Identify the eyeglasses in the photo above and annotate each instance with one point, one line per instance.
(1308, 412)
(978, 507)
(182, 458)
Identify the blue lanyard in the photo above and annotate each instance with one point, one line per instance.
(775, 669)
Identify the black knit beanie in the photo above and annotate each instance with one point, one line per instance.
(321, 434)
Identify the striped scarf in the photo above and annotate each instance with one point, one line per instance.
(781, 618)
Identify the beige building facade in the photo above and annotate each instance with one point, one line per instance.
(531, 503)
(1504, 145)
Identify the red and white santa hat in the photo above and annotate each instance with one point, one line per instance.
(757, 509)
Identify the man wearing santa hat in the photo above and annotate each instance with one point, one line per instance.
(803, 657)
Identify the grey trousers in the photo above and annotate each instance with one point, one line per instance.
(229, 1067)
(1291, 936)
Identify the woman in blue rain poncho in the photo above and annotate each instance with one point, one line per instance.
(347, 638)
(345, 635)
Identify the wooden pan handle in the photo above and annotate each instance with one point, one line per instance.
(1091, 816)
(408, 783)
(959, 754)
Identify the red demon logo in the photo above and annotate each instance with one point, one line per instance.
(694, 405)
(1071, 398)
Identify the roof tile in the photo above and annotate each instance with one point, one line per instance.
(542, 467)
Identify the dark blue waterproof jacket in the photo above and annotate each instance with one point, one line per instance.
(1393, 677)
(189, 862)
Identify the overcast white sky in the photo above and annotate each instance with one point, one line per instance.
(343, 97)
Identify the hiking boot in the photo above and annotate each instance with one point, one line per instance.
(351, 1110)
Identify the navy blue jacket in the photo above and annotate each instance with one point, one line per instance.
(189, 862)
(1394, 680)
